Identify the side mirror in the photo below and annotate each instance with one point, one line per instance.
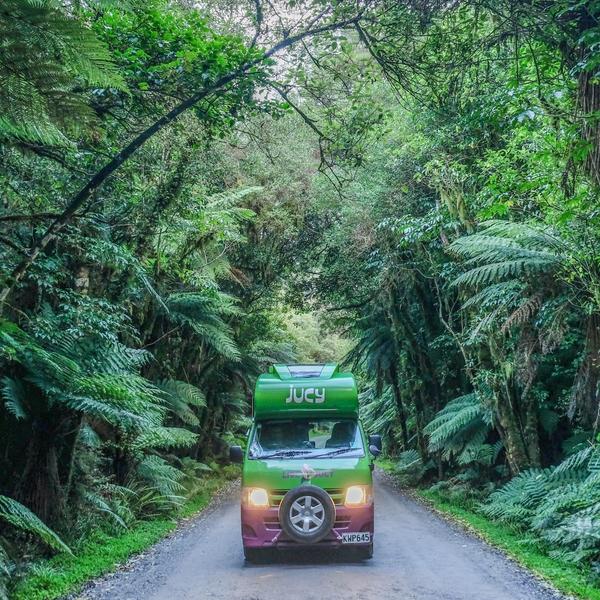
(374, 450)
(236, 454)
(375, 440)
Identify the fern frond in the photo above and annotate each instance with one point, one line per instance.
(165, 437)
(523, 313)
(19, 516)
(203, 314)
(180, 397)
(575, 462)
(531, 236)
(100, 504)
(47, 54)
(161, 475)
(514, 268)
(14, 396)
(458, 423)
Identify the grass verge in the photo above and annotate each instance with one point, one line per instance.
(102, 553)
(565, 577)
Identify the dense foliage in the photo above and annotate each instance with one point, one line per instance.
(465, 260)
(189, 194)
(136, 313)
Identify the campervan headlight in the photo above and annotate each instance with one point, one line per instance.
(255, 497)
(358, 495)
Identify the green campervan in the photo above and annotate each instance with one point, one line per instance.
(307, 470)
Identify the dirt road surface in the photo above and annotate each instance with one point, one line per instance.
(418, 556)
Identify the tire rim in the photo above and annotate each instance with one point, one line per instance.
(307, 514)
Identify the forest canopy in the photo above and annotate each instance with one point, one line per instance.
(193, 191)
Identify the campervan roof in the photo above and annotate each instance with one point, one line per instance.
(318, 389)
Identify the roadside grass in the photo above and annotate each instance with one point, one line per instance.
(565, 577)
(102, 553)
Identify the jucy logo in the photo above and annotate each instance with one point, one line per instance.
(310, 395)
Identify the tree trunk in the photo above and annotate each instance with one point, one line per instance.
(511, 435)
(399, 405)
(39, 487)
(420, 402)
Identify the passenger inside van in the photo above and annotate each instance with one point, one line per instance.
(342, 435)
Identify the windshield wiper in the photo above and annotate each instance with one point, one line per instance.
(334, 452)
(283, 454)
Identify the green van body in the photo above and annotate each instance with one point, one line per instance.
(301, 396)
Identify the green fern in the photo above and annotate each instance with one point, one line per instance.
(180, 397)
(6, 570)
(79, 373)
(380, 413)
(20, 517)
(15, 397)
(203, 314)
(506, 251)
(164, 437)
(164, 479)
(102, 505)
(46, 55)
(560, 505)
(460, 429)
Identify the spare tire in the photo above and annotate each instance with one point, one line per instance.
(307, 514)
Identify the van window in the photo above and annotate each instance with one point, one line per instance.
(308, 438)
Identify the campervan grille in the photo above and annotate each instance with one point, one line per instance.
(337, 495)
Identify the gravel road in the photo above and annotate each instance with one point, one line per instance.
(418, 556)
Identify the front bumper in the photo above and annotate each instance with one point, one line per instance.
(261, 528)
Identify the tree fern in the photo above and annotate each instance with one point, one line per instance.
(515, 501)
(460, 430)
(6, 568)
(15, 397)
(163, 478)
(164, 437)
(47, 54)
(560, 505)
(506, 251)
(379, 412)
(180, 397)
(102, 505)
(203, 313)
(20, 517)
(85, 382)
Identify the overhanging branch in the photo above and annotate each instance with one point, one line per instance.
(113, 165)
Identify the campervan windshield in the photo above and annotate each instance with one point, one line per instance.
(306, 438)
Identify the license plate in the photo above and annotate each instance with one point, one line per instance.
(360, 537)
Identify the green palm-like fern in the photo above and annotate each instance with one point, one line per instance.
(376, 353)
(204, 314)
(46, 55)
(164, 478)
(21, 518)
(164, 438)
(505, 250)
(90, 377)
(460, 430)
(561, 505)
(379, 412)
(180, 397)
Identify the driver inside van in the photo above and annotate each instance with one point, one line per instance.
(342, 435)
